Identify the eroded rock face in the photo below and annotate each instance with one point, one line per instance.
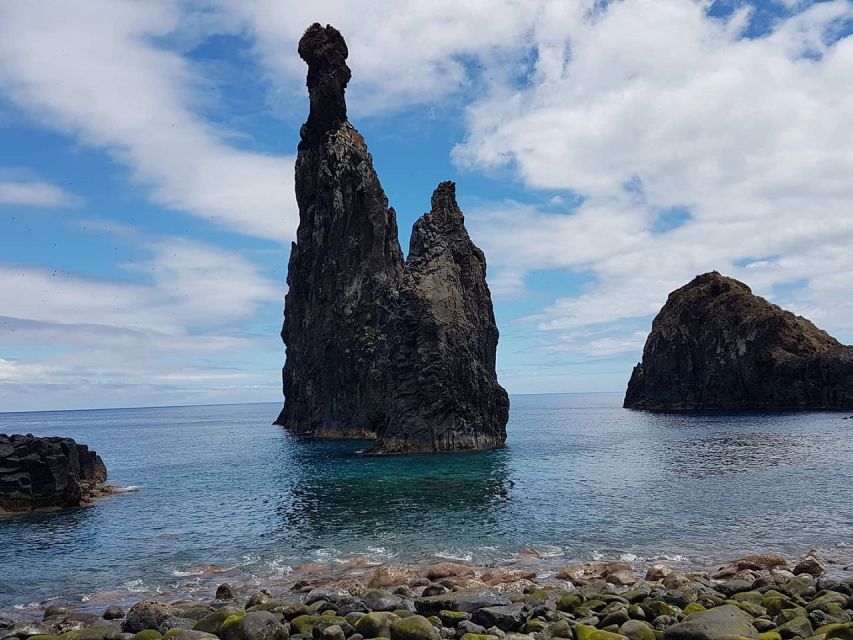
(344, 266)
(716, 345)
(403, 353)
(40, 473)
(445, 391)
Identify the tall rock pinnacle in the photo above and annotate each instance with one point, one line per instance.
(344, 266)
(716, 345)
(377, 348)
(446, 392)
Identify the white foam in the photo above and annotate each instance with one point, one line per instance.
(461, 556)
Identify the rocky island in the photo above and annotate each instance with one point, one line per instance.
(716, 345)
(401, 352)
(47, 473)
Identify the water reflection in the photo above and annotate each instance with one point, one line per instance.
(335, 496)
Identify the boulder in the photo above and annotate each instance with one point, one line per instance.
(414, 628)
(467, 601)
(715, 624)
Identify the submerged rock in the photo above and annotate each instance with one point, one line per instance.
(43, 473)
(403, 353)
(716, 345)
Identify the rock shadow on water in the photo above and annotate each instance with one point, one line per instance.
(342, 498)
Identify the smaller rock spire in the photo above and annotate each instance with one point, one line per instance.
(325, 52)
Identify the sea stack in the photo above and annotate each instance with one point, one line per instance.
(717, 346)
(47, 473)
(378, 348)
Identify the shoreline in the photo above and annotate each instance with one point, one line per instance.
(528, 571)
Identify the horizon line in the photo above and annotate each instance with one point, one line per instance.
(234, 404)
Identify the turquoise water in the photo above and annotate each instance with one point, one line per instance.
(580, 478)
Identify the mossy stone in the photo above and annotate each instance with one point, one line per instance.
(753, 609)
(617, 618)
(637, 630)
(452, 618)
(414, 628)
(657, 608)
(569, 602)
(303, 624)
(212, 622)
(830, 598)
(148, 634)
(841, 631)
(769, 635)
(635, 595)
(560, 629)
(786, 615)
(478, 636)
(693, 607)
(375, 624)
(798, 627)
(535, 626)
(636, 612)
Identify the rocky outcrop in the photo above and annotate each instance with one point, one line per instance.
(403, 353)
(445, 391)
(42, 473)
(716, 345)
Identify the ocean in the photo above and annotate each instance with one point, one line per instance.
(222, 490)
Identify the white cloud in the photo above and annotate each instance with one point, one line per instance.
(92, 70)
(407, 53)
(650, 105)
(33, 193)
(181, 333)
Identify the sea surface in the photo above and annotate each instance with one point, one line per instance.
(579, 478)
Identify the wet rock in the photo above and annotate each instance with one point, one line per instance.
(259, 597)
(716, 345)
(496, 577)
(809, 565)
(176, 623)
(40, 473)
(468, 601)
(715, 624)
(658, 572)
(377, 348)
(381, 600)
(506, 618)
(449, 570)
(469, 626)
(390, 575)
(212, 623)
(148, 614)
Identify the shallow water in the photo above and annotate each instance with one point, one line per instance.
(579, 478)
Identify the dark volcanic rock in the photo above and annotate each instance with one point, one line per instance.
(377, 348)
(445, 391)
(716, 345)
(344, 266)
(40, 473)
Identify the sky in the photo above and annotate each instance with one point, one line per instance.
(604, 154)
